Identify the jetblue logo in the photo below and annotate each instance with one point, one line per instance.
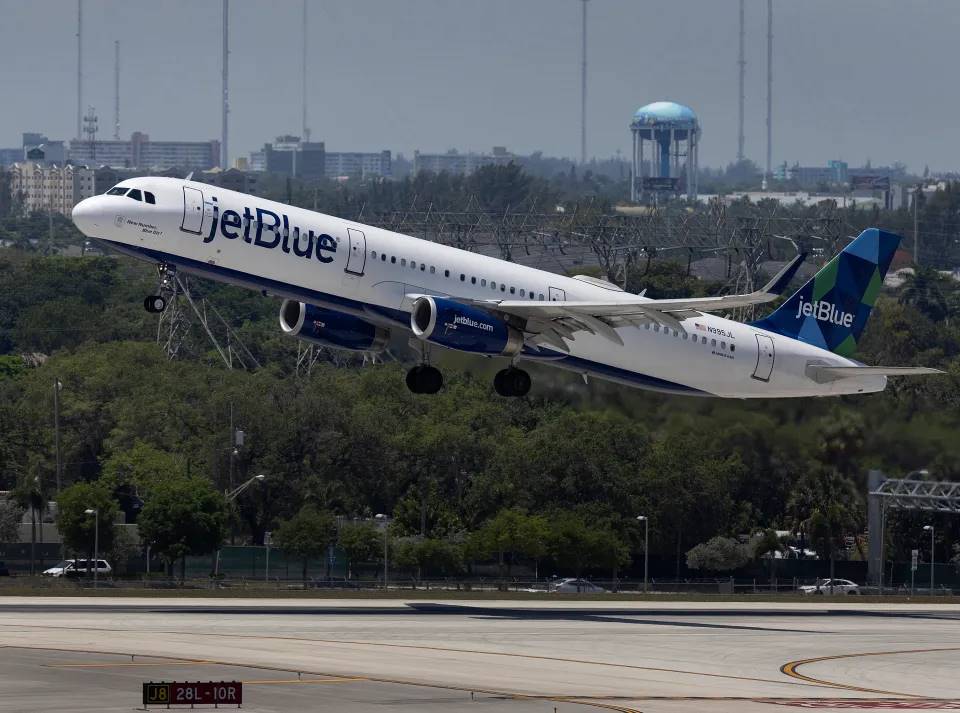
(824, 312)
(466, 321)
(268, 230)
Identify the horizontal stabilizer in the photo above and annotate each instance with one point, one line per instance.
(822, 373)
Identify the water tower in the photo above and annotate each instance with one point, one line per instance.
(673, 133)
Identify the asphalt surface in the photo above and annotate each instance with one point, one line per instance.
(355, 655)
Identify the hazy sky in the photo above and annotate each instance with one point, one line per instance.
(853, 79)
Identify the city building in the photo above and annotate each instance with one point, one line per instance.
(8, 157)
(35, 187)
(457, 163)
(673, 131)
(142, 153)
(38, 148)
(232, 179)
(289, 156)
(353, 164)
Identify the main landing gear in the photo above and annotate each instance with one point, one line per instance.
(512, 382)
(154, 304)
(424, 379)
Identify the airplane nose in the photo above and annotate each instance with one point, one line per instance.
(85, 216)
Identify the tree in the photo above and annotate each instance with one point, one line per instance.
(307, 534)
(10, 516)
(511, 534)
(76, 527)
(826, 526)
(183, 517)
(361, 542)
(925, 289)
(719, 554)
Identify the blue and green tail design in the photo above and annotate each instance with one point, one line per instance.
(831, 310)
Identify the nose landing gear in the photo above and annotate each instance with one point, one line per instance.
(154, 304)
(512, 382)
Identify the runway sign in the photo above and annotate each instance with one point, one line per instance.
(193, 694)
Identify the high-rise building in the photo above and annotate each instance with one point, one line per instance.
(35, 187)
(459, 163)
(142, 153)
(290, 156)
(354, 164)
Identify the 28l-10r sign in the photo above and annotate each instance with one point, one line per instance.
(193, 694)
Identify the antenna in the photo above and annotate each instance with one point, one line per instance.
(226, 98)
(303, 75)
(116, 90)
(742, 62)
(583, 91)
(79, 68)
(90, 130)
(768, 175)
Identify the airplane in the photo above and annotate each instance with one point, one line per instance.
(352, 286)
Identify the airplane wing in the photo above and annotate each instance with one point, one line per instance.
(821, 373)
(553, 322)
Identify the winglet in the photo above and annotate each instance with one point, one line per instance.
(779, 283)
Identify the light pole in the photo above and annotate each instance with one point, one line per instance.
(646, 549)
(385, 520)
(96, 541)
(230, 496)
(930, 529)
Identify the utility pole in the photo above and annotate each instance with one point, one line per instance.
(769, 173)
(79, 68)
(583, 91)
(303, 75)
(224, 152)
(917, 192)
(742, 63)
(116, 90)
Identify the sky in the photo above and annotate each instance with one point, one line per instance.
(853, 79)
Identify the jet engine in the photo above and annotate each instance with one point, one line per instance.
(458, 326)
(330, 328)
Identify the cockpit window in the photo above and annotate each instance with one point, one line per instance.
(148, 197)
(117, 191)
(135, 194)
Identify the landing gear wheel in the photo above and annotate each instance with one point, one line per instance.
(424, 379)
(155, 304)
(512, 382)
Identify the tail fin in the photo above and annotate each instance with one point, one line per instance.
(831, 310)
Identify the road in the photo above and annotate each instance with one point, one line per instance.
(86, 654)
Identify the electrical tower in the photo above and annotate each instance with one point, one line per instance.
(116, 90)
(742, 65)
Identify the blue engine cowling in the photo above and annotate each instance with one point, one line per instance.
(458, 326)
(330, 328)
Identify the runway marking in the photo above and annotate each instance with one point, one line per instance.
(790, 669)
(576, 700)
(535, 657)
(285, 681)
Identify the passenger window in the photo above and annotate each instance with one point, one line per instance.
(432, 270)
(541, 297)
(117, 191)
(523, 292)
(656, 328)
(413, 265)
(403, 262)
(135, 194)
(393, 259)
(423, 267)
(148, 196)
(473, 280)
(723, 345)
(685, 336)
(373, 254)
(704, 340)
(446, 273)
(503, 288)
(647, 325)
(513, 290)
(713, 342)
(463, 278)
(483, 283)
(383, 257)
(733, 347)
(493, 285)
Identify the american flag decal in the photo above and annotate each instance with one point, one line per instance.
(700, 326)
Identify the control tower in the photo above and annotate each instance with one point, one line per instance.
(673, 133)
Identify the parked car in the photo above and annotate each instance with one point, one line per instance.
(582, 586)
(72, 569)
(831, 586)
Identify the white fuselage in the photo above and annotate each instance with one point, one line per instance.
(372, 273)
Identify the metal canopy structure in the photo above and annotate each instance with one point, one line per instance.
(929, 496)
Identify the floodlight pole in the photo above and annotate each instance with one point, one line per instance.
(930, 528)
(96, 541)
(385, 519)
(646, 550)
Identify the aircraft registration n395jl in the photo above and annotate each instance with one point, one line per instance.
(351, 286)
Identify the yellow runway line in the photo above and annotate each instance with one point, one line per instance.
(284, 681)
(790, 669)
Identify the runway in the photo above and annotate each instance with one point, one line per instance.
(85, 654)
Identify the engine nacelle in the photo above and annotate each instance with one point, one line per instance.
(330, 328)
(458, 326)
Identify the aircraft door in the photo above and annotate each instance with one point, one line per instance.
(765, 358)
(192, 210)
(357, 258)
(555, 294)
